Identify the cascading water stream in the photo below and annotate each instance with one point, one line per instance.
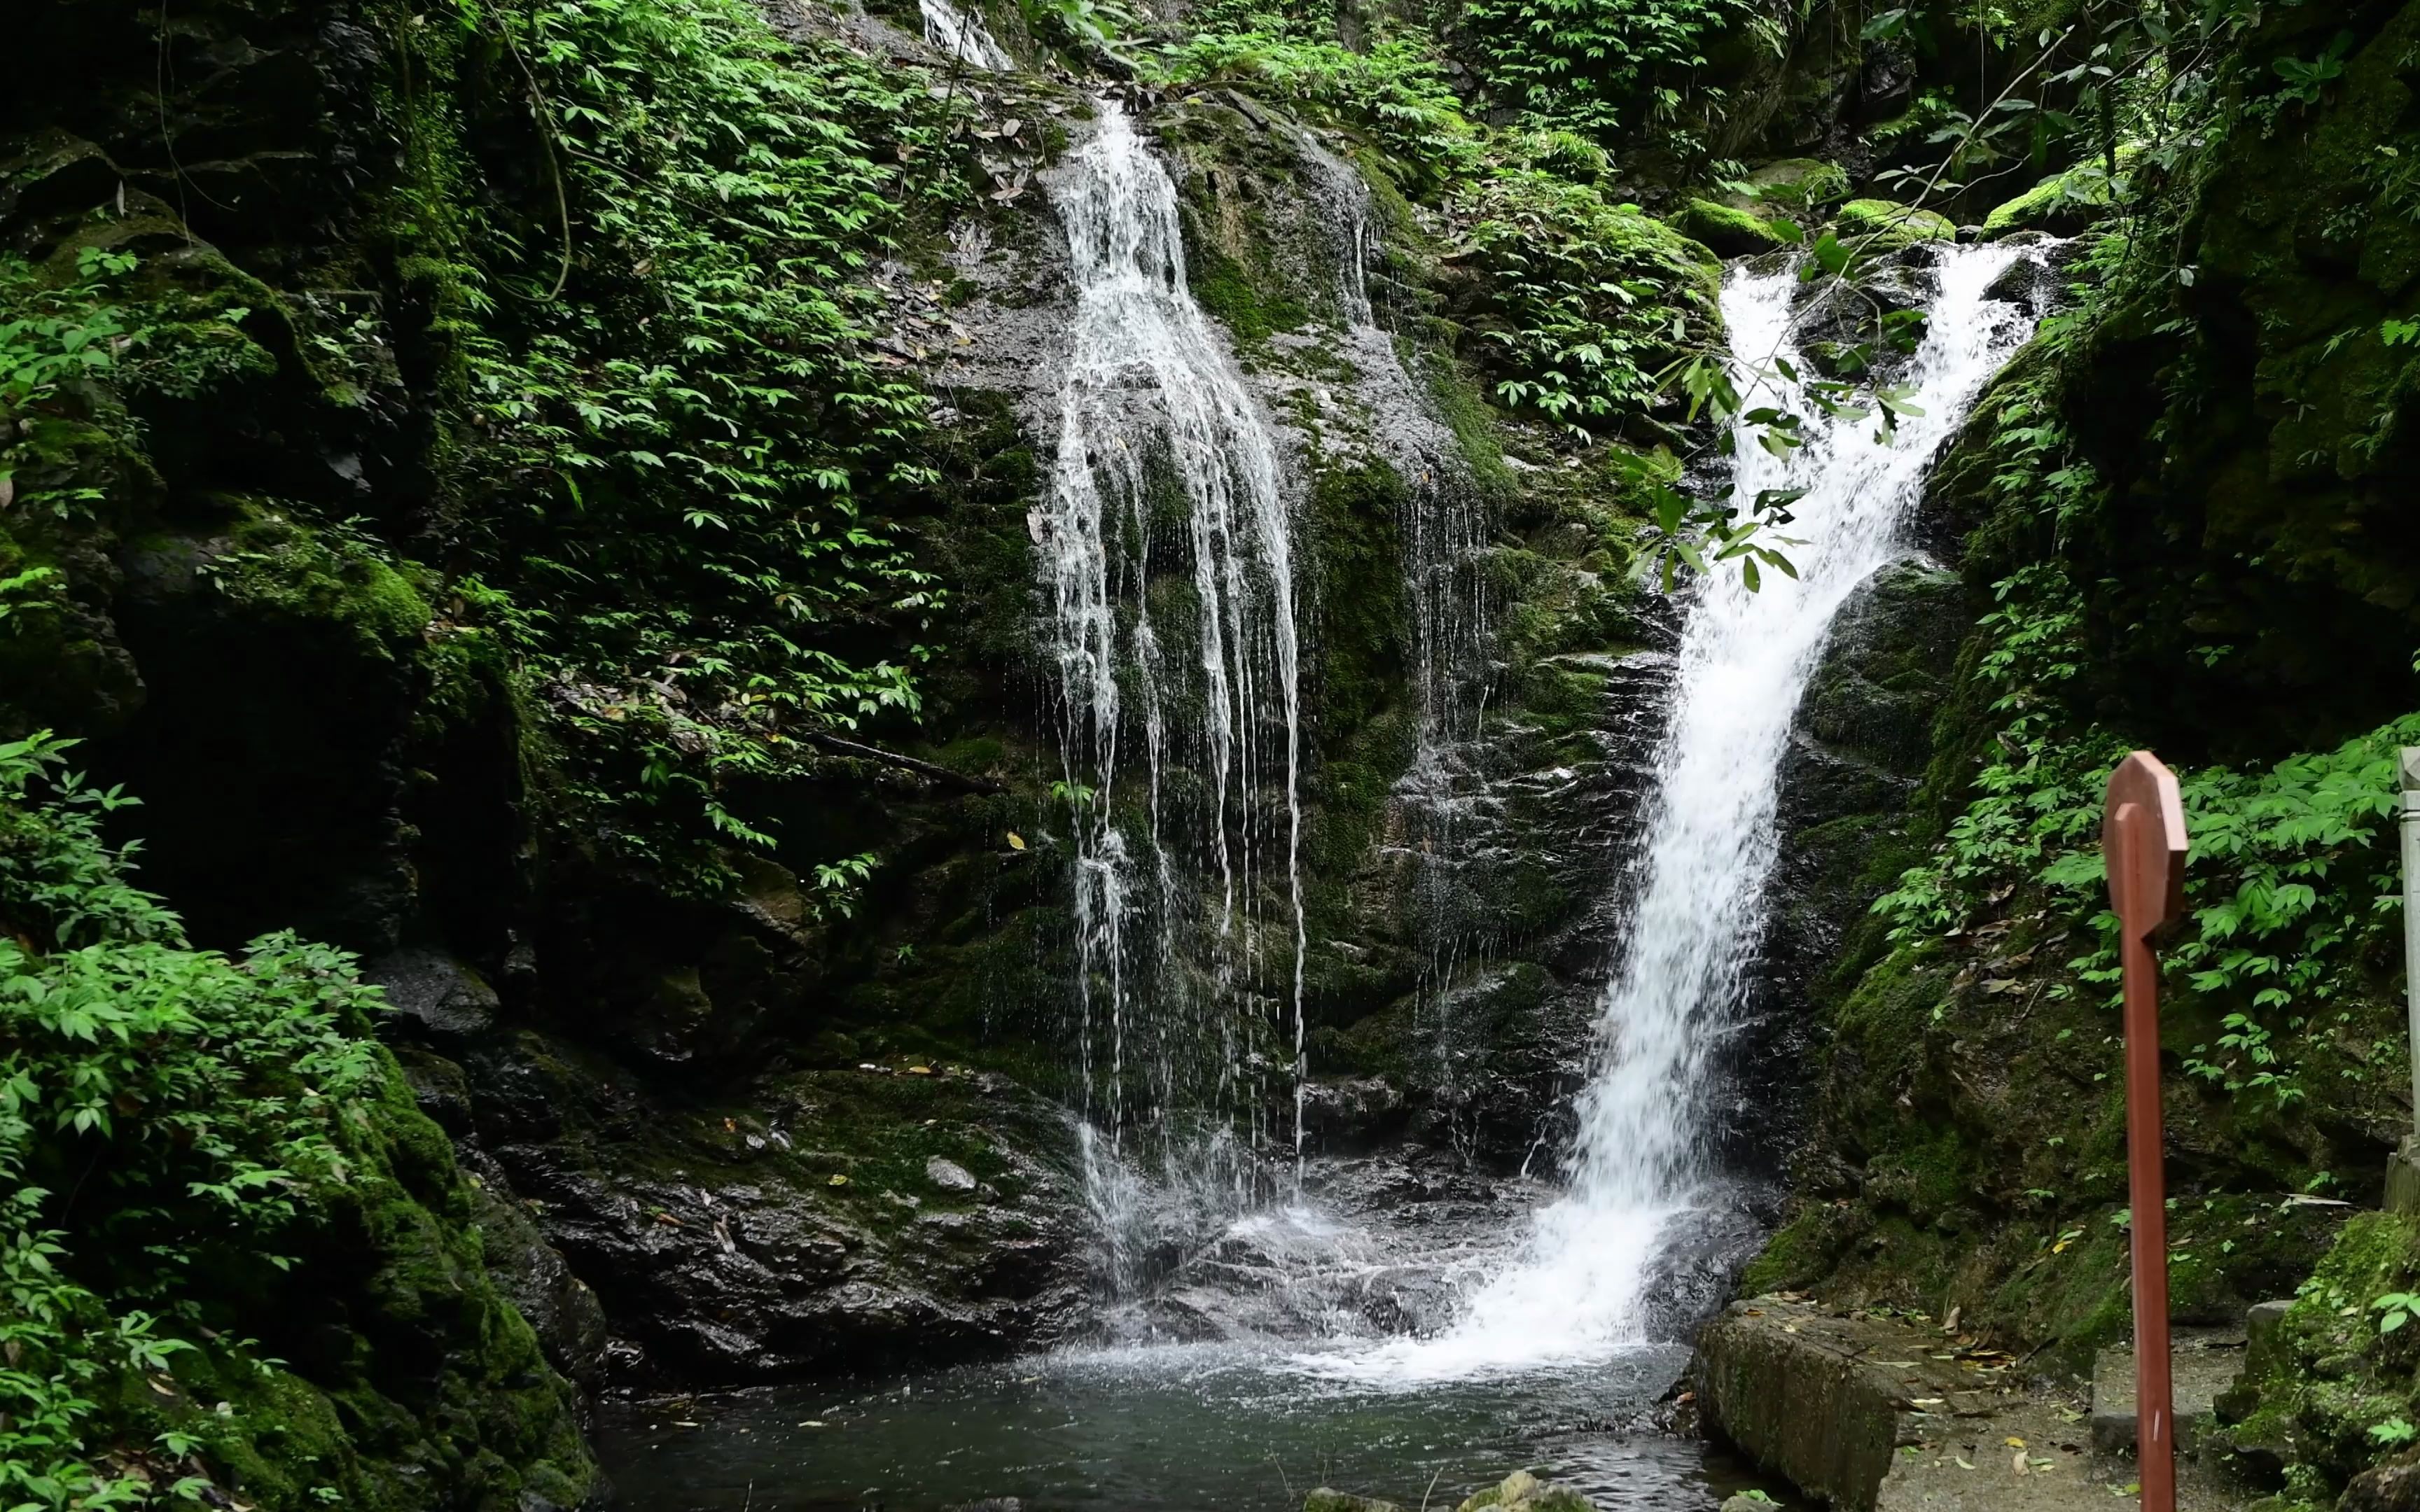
(1441, 828)
(1167, 555)
(1575, 1289)
(962, 35)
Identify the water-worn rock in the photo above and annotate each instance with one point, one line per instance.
(1799, 1401)
(1521, 1491)
(1326, 1500)
(811, 1219)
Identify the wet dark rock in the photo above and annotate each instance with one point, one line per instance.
(2393, 1486)
(436, 999)
(810, 1221)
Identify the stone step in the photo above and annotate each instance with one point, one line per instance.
(1870, 1414)
(2204, 1362)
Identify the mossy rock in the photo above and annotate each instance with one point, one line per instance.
(283, 569)
(2064, 204)
(1887, 225)
(1802, 183)
(1521, 1491)
(1731, 233)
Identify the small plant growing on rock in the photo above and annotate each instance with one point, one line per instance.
(2397, 1306)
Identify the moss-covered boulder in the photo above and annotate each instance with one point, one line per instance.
(1806, 184)
(1880, 225)
(2334, 1368)
(1521, 1491)
(1731, 233)
(2063, 204)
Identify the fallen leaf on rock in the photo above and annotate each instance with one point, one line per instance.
(2015, 1443)
(1965, 1464)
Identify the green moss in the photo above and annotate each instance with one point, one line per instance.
(283, 569)
(1885, 225)
(2059, 203)
(1800, 183)
(1728, 231)
(1243, 299)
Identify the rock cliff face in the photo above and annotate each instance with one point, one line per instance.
(749, 1020)
(704, 1123)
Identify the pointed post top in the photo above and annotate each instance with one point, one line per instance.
(2147, 878)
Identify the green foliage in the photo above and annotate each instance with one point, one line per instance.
(682, 506)
(2397, 1308)
(1597, 297)
(58, 337)
(189, 1105)
(1589, 298)
(1598, 66)
(1397, 91)
(2286, 878)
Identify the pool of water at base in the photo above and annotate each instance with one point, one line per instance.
(1176, 1428)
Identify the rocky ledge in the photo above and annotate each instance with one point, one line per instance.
(1877, 1412)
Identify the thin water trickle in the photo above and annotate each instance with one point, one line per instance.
(1168, 555)
(1579, 1286)
(962, 35)
(1442, 825)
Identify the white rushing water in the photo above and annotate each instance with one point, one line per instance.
(963, 36)
(1168, 557)
(1576, 1287)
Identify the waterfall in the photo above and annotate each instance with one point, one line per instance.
(1575, 1289)
(1441, 805)
(1167, 557)
(962, 35)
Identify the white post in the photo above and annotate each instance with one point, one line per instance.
(2403, 1172)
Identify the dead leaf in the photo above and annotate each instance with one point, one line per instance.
(837, 1179)
(1016, 841)
(2017, 1461)
(2015, 1443)
(1964, 1464)
(1010, 127)
(7, 491)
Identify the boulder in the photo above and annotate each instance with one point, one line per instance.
(1527, 1493)
(2393, 1486)
(1887, 225)
(1732, 233)
(1801, 183)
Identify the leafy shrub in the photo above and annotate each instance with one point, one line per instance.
(683, 506)
(166, 1116)
(1597, 66)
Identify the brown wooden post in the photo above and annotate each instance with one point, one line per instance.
(2143, 840)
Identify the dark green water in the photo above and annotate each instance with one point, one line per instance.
(1193, 1429)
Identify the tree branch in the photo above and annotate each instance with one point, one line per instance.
(907, 764)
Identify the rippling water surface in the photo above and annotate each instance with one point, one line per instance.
(1188, 1429)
